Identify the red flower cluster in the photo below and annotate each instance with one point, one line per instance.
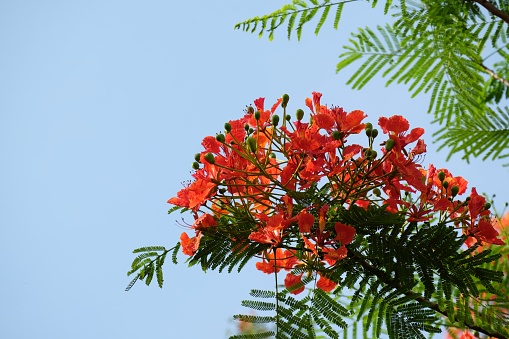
(263, 165)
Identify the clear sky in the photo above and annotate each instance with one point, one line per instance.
(102, 106)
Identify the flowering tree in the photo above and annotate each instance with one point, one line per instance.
(335, 216)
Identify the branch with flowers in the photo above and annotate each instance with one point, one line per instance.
(337, 216)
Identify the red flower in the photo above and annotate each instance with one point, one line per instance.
(344, 233)
(305, 221)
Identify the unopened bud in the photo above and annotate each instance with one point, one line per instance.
(299, 114)
(227, 127)
(454, 190)
(445, 184)
(441, 176)
(487, 206)
(377, 192)
(196, 165)
(220, 137)
(210, 158)
(285, 98)
(222, 190)
(336, 135)
(374, 133)
(246, 127)
(372, 154)
(389, 144)
(197, 157)
(288, 118)
(257, 115)
(368, 131)
(251, 143)
(275, 120)
(369, 125)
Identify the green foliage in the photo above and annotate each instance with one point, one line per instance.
(150, 262)
(404, 275)
(454, 51)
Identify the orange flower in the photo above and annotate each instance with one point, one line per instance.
(325, 284)
(189, 245)
(292, 280)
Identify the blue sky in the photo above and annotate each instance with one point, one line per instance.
(102, 106)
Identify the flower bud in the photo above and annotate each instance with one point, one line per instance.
(246, 127)
(377, 192)
(250, 131)
(336, 135)
(285, 98)
(251, 143)
(369, 125)
(210, 158)
(374, 133)
(272, 155)
(222, 190)
(299, 114)
(389, 144)
(257, 115)
(220, 137)
(275, 120)
(372, 154)
(441, 176)
(368, 131)
(227, 127)
(487, 206)
(288, 118)
(196, 165)
(445, 184)
(197, 157)
(454, 190)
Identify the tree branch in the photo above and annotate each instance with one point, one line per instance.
(494, 10)
(494, 75)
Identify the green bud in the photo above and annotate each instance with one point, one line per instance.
(369, 125)
(299, 114)
(210, 158)
(196, 165)
(441, 176)
(246, 127)
(220, 137)
(275, 120)
(487, 206)
(285, 98)
(445, 184)
(389, 144)
(454, 190)
(272, 155)
(250, 131)
(257, 115)
(336, 135)
(222, 190)
(197, 157)
(377, 192)
(374, 133)
(288, 118)
(251, 142)
(227, 127)
(372, 154)
(368, 131)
